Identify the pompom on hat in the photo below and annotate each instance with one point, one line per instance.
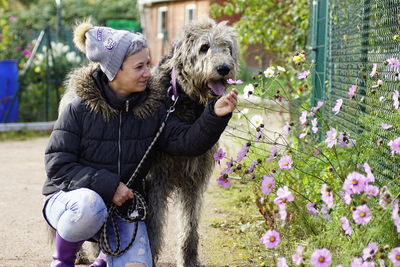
(104, 45)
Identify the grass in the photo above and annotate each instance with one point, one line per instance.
(22, 135)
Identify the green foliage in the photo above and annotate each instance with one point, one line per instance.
(279, 26)
(40, 87)
(318, 170)
(12, 43)
(44, 12)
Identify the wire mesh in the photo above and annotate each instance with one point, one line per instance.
(362, 33)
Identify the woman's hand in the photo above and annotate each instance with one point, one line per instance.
(122, 194)
(226, 104)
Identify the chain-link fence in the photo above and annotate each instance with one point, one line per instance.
(362, 36)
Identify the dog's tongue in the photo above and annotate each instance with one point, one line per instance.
(217, 87)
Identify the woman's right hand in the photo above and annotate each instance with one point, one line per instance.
(122, 194)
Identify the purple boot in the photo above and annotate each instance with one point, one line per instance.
(100, 261)
(65, 253)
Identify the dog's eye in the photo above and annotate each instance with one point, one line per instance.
(204, 48)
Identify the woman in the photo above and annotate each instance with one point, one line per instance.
(101, 136)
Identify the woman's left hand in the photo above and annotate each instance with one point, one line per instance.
(226, 104)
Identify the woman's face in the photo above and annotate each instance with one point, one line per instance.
(133, 75)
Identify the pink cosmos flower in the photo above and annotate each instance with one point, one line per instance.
(303, 118)
(385, 197)
(370, 177)
(282, 211)
(321, 258)
(271, 239)
(378, 84)
(312, 208)
(338, 105)
(242, 153)
(381, 262)
(327, 195)
(386, 126)
(252, 166)
(325, 212)
(395, 214)
(224, 181)
(352, 91)
(317, 152)
(331, 138)
(346, 226)
(220, 154)
(371, 190)
(394, 256)
(303, 75)
(258, 135)
(267, 185)
(346, 197)
(354, 183)
(362, 215)
(395, 211)
(368, 264)
(230, 81)
(395, 145)
(370, 250)
(12, 19)
(356, 262)
(345, 141)
(281, 262)
(395, 98)
(283, 196)
(316, 108)
(272, 153)
(297, 257)
(393, 62)
(286, 129)
(302, 135)
(314, 124)
(26, 53)
(285, 163)
(373, 72)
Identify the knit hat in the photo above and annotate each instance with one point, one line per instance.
(105, 46)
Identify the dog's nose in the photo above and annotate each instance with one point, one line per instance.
(223, 69)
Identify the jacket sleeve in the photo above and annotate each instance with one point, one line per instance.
(62, 159)
(185, 139)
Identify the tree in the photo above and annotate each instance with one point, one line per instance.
(279, 25)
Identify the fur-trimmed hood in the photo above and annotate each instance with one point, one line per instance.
(81, 83)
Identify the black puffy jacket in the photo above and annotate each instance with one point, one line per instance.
(99, 139)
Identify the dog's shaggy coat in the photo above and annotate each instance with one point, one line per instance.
(204, 58)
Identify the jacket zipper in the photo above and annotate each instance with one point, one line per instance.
(119, 143)
(119, 136)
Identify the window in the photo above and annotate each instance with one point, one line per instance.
(190, 13)
(162, 22)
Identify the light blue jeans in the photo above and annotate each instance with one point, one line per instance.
(79, 214)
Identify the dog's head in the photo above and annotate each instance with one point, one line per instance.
(205, 58)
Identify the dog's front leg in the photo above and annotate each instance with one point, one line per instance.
(190, 202)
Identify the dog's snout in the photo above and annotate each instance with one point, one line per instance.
(223, 69)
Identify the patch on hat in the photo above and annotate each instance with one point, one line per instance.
(100, 34)
(110, 43)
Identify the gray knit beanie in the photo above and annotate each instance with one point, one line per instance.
(107, 46)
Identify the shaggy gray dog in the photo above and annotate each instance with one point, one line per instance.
(204, 58)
